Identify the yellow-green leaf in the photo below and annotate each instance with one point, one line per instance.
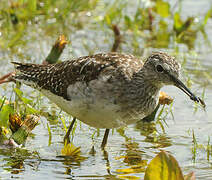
(4, 114)
(50, 134)
(163, 167)
(177, 21)
(32, 5)
(162, 8)
(71, 150)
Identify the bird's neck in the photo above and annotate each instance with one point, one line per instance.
(147, 92)
(146, 83)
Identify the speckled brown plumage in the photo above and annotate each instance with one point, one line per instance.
(57, 77)
(105, 90)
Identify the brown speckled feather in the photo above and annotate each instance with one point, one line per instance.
(58, 77)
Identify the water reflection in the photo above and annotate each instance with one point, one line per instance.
(15, 159)
(69, 164)
(157, 139)
(133, 161)
(107, 162)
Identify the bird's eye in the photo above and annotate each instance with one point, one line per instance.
(159, 68)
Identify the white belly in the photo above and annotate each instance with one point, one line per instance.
(95, 111)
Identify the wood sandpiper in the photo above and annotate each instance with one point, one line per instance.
(106, 90)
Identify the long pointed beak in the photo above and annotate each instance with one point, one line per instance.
(182, 86)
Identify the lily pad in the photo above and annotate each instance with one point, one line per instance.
(163, 167)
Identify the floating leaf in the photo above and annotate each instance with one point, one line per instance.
(163, 167)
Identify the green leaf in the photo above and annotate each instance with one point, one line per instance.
(207, 16)
(108, 20)
(163, 167)
(30, 110)
(18, 92)
(23, 99)
(162, 8)
(32, 6)
(50, 134)
(178, 23)
(128, 21)
(64, 124)
(2, 102)
(4, 114)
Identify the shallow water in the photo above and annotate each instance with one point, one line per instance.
(127, 153)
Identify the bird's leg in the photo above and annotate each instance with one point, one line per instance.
(104, 141)
(66, 138)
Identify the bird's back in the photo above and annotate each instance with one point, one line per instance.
(57, 77)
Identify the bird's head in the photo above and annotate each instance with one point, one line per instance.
(162, 69)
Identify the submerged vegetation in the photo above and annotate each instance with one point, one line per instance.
(27, 32)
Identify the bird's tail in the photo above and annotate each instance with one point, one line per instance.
(28, 73)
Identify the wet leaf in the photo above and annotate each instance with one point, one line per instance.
(163, 167)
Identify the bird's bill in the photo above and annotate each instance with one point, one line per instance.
(180, 85)
(183, 87)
